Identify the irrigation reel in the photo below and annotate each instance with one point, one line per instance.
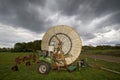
(61, 46)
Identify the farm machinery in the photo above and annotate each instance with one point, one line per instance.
(60, 48)
(26, 59)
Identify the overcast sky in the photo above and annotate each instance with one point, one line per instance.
(97, 21)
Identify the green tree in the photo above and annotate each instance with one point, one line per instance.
(27, 47)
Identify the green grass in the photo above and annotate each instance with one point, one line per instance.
(9, 58)
(102, 63)
(31, 73)
(104, 52)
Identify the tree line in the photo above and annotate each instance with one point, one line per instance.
(36, 45)
(24, 47)
(101, 47)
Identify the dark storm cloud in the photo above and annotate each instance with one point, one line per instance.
(69, 7)
(112, 22)
(88, 17)
(20, 13)
(106, 6)
(88, 10)
(38, 2)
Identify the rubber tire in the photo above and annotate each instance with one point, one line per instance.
(47, 67)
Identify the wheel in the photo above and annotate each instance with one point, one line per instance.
(44, 67)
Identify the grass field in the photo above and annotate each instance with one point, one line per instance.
(114, 52)
(102, 63)
(31, 73)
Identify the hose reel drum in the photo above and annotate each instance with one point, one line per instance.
(67, 37)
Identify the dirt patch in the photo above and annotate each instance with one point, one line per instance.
(104, 57)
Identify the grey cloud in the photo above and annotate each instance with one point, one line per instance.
(84, 32)
(87, 36)
(88, 9)
(38, 2)
(112, 22)
(18, 13)
(106, 6)
(69, 7)
(109, 43)
(113, 42)
(115, 19)
(24, 13)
